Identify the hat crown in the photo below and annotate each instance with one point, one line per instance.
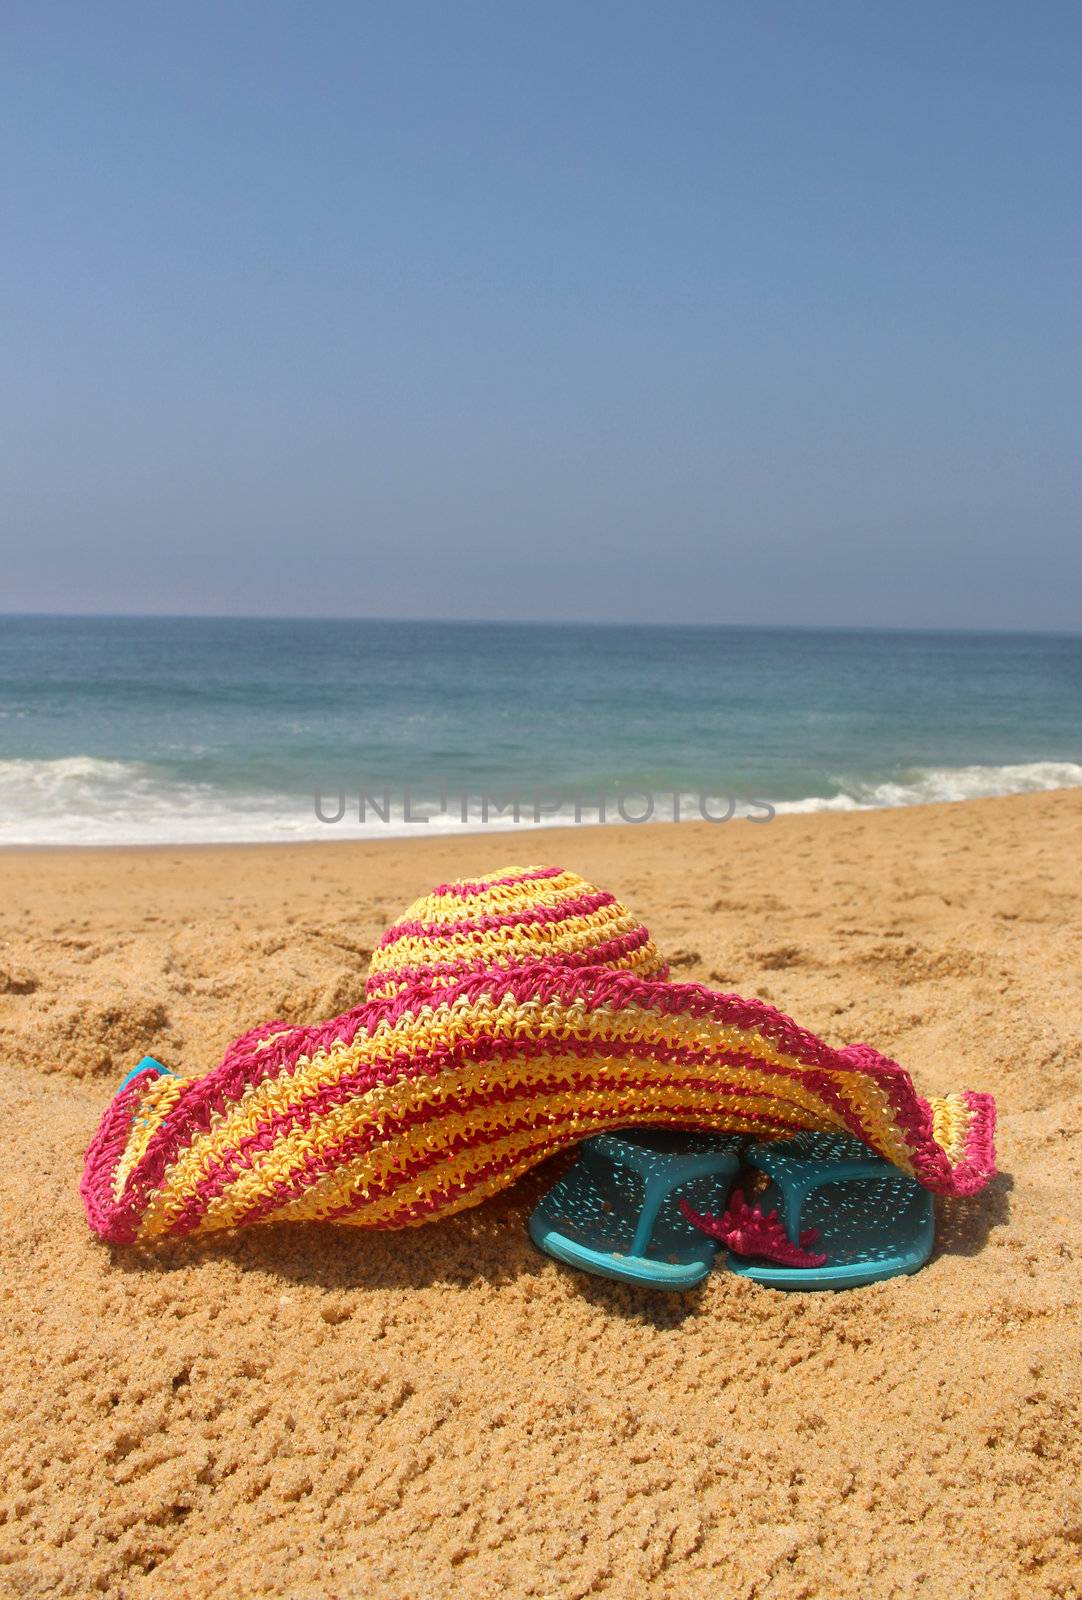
(512, 918)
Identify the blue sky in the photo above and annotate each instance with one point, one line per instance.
(693, 312)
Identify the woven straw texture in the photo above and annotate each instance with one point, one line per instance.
(506, 1019)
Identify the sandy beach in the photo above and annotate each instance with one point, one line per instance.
(316, 1412)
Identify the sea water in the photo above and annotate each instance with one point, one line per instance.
(172, 730)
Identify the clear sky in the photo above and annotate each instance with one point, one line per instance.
(688, 312)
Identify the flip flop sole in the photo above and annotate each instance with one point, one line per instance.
(589, 1220)
(646, 1272)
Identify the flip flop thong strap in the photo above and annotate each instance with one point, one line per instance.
(798, 1176)
(662, 1171)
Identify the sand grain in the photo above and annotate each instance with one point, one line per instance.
(313, 1412)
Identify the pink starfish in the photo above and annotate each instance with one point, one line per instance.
(746, 1232)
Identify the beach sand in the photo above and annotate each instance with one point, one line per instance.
(315, 1411)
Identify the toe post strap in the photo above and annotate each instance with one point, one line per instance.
(799, 1166)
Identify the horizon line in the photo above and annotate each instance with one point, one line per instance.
(537, 622)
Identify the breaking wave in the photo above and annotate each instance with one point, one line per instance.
(84, 800)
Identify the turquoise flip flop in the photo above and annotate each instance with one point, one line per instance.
(616, 1213)
(834, 1195)
(148, 1064)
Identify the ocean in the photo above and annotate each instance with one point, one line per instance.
(125, 730)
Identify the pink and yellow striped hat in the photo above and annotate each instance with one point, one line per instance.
(508, 1017)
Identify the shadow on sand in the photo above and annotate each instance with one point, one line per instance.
(963, 1225)
(487, 1245)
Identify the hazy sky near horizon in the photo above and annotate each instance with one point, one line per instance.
(705, 312)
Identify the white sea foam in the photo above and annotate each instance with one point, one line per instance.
(82, 800)
(923, 785)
